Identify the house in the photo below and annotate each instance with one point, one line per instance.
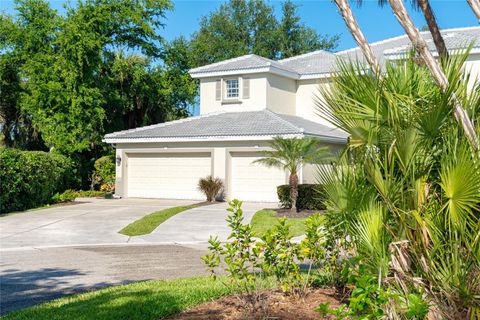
(244, 103)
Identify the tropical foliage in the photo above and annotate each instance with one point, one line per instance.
(211, 187)
(406, 193)
(290, 155)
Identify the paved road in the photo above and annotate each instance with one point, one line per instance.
(32, 276)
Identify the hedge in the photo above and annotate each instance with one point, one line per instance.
(29, 179)
(310, 197)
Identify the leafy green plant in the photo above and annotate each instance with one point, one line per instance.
(405, 193)
(104, 174)
(211, 187)
(310, 197)
(290, 155)
(29, 179)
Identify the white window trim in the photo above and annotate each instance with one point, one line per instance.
(225, 90)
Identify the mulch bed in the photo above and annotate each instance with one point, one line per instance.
(285, 213)
(272, 304)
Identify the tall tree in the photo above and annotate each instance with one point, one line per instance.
(295, 37)
(475, 5)
(62, 57)
(241, 27)
(421, 47)
(352, 25)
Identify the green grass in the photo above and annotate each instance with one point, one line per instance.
(148, 223)
(265, 219)
(144, 300)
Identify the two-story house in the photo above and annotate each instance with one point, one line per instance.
(244, 103)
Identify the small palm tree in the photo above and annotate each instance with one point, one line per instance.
(290, 155)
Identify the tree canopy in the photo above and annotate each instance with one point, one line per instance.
(242, 27)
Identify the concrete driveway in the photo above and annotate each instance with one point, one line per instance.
(197, 225)
(88, 221)
(53, 252)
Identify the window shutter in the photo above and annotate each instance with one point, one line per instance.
(218, 90)
(246, 88)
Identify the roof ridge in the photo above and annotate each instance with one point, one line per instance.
(219, 63)
(163, 124)
(304, 55)
(277, 116)
(375, 43)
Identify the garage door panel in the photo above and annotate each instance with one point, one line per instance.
(170, 175)
(253, 181)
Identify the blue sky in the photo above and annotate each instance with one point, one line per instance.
(377, 23)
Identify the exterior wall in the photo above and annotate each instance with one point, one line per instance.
(281, 94)
(472, 65)
(308, 93)
(257, 99)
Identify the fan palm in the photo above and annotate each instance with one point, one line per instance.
(407, 148)
(290, 155)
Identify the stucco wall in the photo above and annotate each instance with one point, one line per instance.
(256, 101)
(281, 94)
(472, 65)
(308, 94)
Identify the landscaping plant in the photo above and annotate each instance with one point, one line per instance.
(211, 187)
(404, 199)
(290, 155)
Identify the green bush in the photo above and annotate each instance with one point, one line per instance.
(29, 179)
(310, 197)
(70, 195)
(104, 174)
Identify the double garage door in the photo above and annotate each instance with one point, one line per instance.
(176, 175)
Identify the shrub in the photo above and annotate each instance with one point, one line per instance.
(210, 186)
(310, 197)
(29, 179)
(66, 196)
(104, 174)
(70, 195)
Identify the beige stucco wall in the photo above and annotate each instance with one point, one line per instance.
(472, 65)
(256, 101)
(281, 94)
(308, 93)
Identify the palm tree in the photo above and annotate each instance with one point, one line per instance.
(421, 47)
(291, 155)
(357, 34)
(432, 25)
(475, 5)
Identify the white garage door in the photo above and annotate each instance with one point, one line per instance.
(254, 182)
(167, 175)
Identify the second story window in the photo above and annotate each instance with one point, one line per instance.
(232, 90)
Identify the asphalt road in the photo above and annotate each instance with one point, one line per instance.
(35, 275)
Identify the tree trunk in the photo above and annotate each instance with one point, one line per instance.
(293, 182)
(421, 47)
(475, 5)
(357, 34)
(433, 27)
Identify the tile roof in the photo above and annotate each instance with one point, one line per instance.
(230, 124)
(323, 62)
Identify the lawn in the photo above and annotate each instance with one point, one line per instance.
(148, 223)
(142, 300)
(265, 219)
